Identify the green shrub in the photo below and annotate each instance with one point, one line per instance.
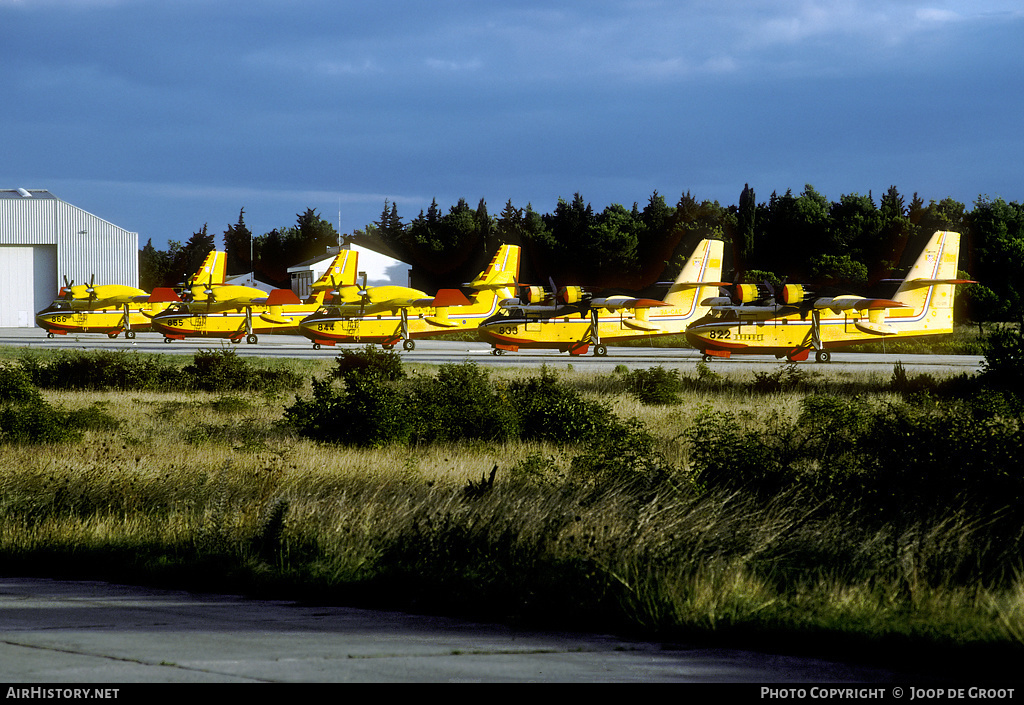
(35, 422)
(1003, 367)
(16, 386)
(789, 376)
(224, 370)
(550, 411)
(367, 412)
(624, 453)
(385, 364)
(100, 369)
(654, 385)
(727, 454)
(460, 402)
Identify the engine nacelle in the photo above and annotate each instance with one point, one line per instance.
(747, 293)
(534, 294)
(792, 294)
(571, 294)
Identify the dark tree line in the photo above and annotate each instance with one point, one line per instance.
(854, 243)
(269, 255)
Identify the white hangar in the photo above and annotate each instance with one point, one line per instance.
(43, 240)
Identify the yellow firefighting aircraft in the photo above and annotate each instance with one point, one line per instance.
(388, 314)
(798, 322)
(113, 308)
(574, 321)
(236, 312)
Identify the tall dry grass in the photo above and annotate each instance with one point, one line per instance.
(209, 489)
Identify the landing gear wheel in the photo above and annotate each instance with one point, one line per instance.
(129, 334)
(409, 344)
(600, 350)
(823, 356)
(251, 339)
(497, 351)
(167, 340)
(111, 335)
(49, 335)
(236, 341)
(706, 358)
(385, 346)
(316, 346)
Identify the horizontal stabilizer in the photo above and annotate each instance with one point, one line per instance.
(696, 284)
(279, 297)
(914, 283)
(163, 295)
(450, 297)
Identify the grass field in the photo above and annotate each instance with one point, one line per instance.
(740, 512)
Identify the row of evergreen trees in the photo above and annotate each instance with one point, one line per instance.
(852, 244)
(268, 255)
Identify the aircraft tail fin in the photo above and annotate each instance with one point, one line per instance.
(501, 273)
(340, 272)
(703, 269)
(929, 285)
(212, 272)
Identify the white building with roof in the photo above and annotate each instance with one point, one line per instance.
(43, 240)
(380, 268)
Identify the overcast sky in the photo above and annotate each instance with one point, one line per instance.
(160, 116)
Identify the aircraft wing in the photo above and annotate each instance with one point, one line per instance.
(613, 303)
(859, 303)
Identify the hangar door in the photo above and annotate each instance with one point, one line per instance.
(28, 282)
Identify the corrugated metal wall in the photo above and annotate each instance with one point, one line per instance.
(28, 221)
(64, 241)
(89, 247)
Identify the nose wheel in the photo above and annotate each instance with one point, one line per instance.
(823, 356)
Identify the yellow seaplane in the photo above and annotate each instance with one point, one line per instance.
(387, 315)
(572, 321)
(116, 308)
(236, 312)
(794, 322)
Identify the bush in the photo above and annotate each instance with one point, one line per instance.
(460, 402)
(100, 369)
(35, 422)
(654, 385)
(367, 412)
(1003, 367)
(16, 386)
(550, 411)
(384, 364)
(223, 370)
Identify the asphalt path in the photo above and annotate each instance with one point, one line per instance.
(96, 632)
(438, 352)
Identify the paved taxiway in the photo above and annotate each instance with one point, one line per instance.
(440, 352)
(95, 632)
